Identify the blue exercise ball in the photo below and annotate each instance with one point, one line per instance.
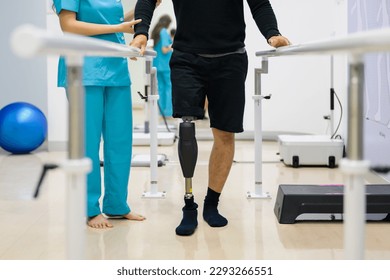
(23, 128)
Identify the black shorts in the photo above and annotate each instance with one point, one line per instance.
(221, 79)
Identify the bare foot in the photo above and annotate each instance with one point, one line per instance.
(99, 222)
(134, 216)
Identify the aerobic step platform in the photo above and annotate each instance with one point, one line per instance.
(294, 201)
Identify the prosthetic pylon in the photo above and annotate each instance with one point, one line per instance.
(188, 155)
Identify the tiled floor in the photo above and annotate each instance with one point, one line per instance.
(35, 229)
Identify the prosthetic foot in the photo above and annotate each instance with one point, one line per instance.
(190, 218)
(188, 154)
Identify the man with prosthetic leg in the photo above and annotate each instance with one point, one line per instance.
(209, 60)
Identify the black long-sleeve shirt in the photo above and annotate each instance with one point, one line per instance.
(210, 26)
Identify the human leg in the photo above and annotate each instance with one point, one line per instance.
(188, 154)
(161, 92)
(117, 149)
(226, 101)
(165, 92)
(221, 159)
(188, 93)
(93, 129)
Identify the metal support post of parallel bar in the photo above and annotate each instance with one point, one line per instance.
(257, 98)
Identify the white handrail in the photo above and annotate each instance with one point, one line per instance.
(377, 40)
(28, 41)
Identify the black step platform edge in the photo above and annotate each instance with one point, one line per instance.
(294, 200)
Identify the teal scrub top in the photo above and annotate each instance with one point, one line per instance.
(97, 71)
(161, 61)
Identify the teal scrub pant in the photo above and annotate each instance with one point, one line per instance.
(165, 92)
(108, 114)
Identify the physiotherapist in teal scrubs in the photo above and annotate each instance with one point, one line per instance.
(108, 106)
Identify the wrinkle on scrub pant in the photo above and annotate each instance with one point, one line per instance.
(108, 114)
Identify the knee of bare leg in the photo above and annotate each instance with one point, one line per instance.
(223, 137)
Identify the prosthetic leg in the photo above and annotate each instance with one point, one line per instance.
(188, 154)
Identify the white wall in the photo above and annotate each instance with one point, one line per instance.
(299, 85)
(21, 79)
(58, 104)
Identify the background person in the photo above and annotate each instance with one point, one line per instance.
(163, 46)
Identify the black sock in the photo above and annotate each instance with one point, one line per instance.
(190, 218)
(210, 211)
